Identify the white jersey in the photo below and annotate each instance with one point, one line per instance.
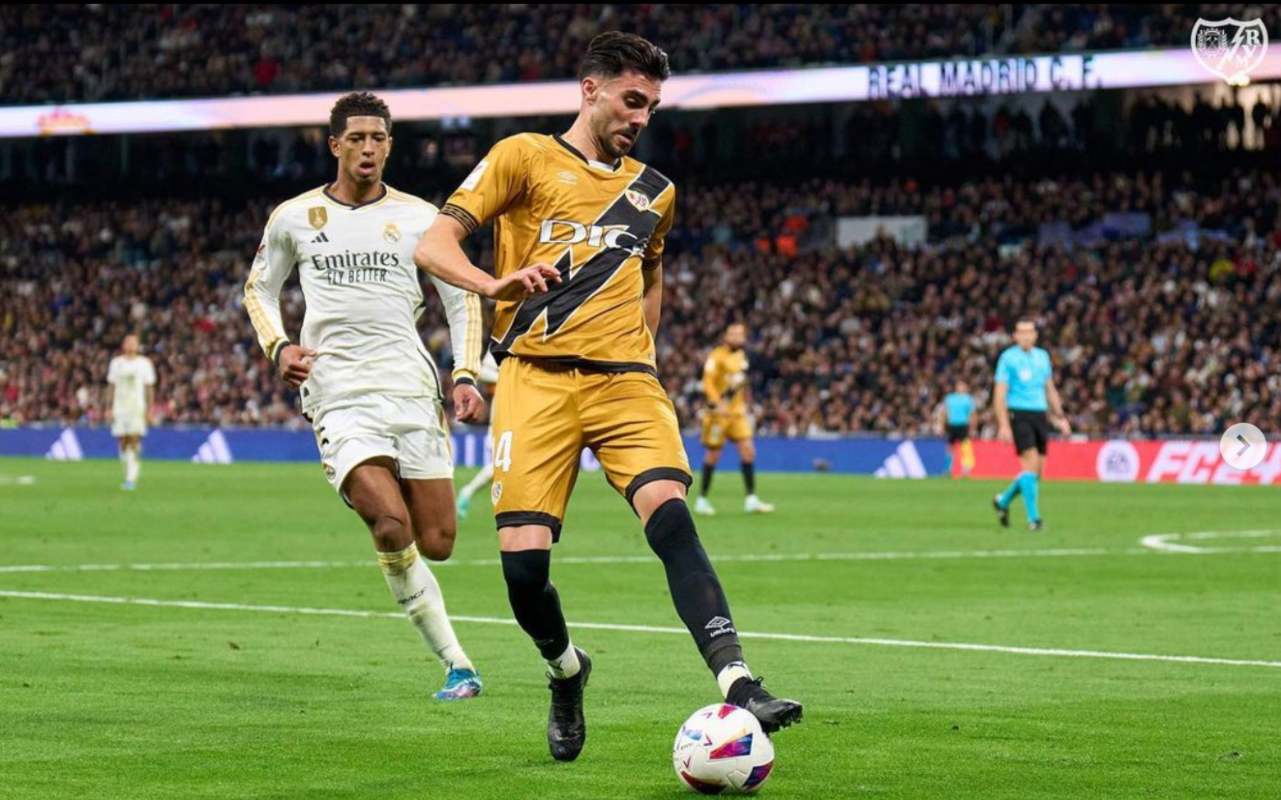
(356, 265)
(488, 370)
(130, 377)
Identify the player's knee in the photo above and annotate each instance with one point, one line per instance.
(747, 452)
(436, 542)
(526, 571)
(671, 527)
(390, 532)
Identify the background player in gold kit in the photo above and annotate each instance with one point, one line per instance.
(579, 230)
(726, 416)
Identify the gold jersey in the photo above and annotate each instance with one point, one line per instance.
(725, 378)
(600, 225)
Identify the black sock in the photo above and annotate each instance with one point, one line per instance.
(749, 476)
(695, 589)
(708, 469)
(534, 600)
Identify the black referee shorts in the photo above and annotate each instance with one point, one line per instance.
(957, 433)
(1031, 430)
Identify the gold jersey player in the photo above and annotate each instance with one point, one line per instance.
(725, 417)
(579, 231)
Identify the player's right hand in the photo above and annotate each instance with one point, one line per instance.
(1005, 434)
(295, 364)
(534, 279)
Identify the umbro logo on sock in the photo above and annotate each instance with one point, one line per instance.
(321, 239)
(719, 626)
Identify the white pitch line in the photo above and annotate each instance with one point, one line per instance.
(603, 626)
(1165, 542)
(905, 555)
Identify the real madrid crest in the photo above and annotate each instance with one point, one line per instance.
(317, 216)
(391, 233)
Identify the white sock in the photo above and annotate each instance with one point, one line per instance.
(133, 465)
(483, 477)
(566, 665)
(730, 673)
(416, 590)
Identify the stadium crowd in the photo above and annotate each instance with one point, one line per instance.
(95, 52)
(1150, 289)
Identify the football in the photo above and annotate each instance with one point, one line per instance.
(722, 748)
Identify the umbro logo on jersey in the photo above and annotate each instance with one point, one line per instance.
(321, 239)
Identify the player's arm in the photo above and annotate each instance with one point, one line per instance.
(1056, 408)
(711, 381)
(149, 388)
(274, 261)
(462, 309)
(940, 418)
(495, 183)
(974, 421)
(111, 396)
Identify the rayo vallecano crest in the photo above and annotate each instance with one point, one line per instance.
(1229, 47)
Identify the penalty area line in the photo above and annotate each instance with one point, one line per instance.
(654, 629)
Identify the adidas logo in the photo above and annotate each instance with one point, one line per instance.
(321, 239)
(905, 463)
(67, 448)
(214, 451)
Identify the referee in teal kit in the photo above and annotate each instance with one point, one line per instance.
(1024, 392)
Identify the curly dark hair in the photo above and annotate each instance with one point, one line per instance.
(357, 104)
(612, 53)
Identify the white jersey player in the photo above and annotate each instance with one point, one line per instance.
(488, 376)
(369, 387)
(132, 381)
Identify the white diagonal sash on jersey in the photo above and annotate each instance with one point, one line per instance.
(580, 285)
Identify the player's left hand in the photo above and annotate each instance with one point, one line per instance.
(1064, 426)
(469, 406)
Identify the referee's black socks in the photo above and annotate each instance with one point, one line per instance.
(696, 591)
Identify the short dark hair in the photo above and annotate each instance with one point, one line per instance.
(1028, 318)
(357, 104)
(613, 53)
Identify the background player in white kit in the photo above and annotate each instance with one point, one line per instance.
(368, 385)
(132, 379)
(488, 376)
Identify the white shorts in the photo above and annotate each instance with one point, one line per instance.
(409, 430)
(128, 425)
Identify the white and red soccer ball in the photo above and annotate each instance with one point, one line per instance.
(722, 747)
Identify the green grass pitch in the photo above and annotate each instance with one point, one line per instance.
(221, 698)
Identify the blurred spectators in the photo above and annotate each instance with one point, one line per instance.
(58, 54)
(1159, 324)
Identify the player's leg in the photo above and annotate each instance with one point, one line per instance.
(631, 424)
(536, 449)
(122, 445)
(374, 492)
(425, 467)
(747, 463)
(481, 480)
(131, 455)
(967, 457)
(431, 515)
(713, 439)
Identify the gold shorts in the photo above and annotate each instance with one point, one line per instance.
(546, 413)
(717, 428)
